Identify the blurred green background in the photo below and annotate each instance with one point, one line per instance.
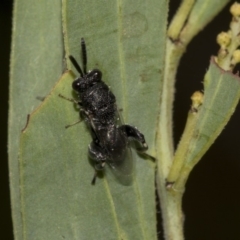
(212, 198)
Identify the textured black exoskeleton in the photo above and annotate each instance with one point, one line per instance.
(98, 107)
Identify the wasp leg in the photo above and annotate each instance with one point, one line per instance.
(82, 115)
(72, 124)
(133, 132)
(69, 99)
(99, 157)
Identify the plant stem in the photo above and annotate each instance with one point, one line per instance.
(188, 21)
(170, 200)
(171, 206)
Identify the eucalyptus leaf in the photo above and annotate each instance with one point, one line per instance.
(129, 50)
(36, 64)
(221, 96)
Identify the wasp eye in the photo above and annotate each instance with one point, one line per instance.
(97, 74)
(76, 85)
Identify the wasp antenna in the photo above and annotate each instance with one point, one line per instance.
(76, 65)
(84, 55)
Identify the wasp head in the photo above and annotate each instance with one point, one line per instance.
(85, 82)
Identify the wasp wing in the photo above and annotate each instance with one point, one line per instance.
(113, 139)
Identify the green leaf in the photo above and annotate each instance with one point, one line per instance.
(36, 64)
(221, 96)
(127, 42)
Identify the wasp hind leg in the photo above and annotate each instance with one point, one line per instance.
(99, 157)
(133, 132)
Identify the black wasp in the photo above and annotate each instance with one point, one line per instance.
(110, 138)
